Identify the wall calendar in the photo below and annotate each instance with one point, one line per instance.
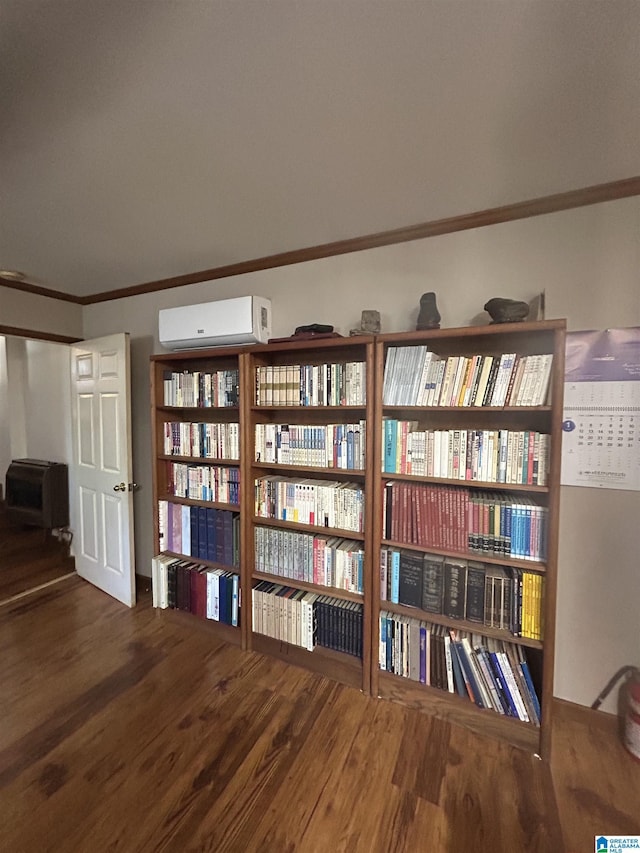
(601, 418)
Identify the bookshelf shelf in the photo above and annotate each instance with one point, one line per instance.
(329, 473)
(341, 667)
(529, 565)
(512, 576)
(201, 460)
(193, 502)
(336, 410)
(458, 624)
(192, 411)
(455, 709)
(335, 591)
(471, 484)
(309, 528)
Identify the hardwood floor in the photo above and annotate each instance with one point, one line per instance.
(137, 730)
(29, 558)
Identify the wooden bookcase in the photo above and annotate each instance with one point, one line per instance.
(523, 339)
(285, 395)
(282, 387)
(224, 424)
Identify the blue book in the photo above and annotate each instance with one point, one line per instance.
(224, 614)
(383, 642)
(458, 677)
(210, 535)
(235, 599)
(395, 576)
(193, 513)
(524, 666)
(423, 654)
(468, 674)
(350, 461)
(390, 638)
(390, 444)
(502, 684)
(202, 533)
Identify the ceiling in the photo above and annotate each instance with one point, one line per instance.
(147, 139)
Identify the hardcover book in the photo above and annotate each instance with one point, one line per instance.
(410, 579)
(455, 572)
(432, 583)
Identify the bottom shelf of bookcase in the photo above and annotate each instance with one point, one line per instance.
(454, 709)
(222, 631)
(346, 669)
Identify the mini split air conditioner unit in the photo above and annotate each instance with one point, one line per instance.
(228, 322)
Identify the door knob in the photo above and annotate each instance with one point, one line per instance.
(120, 488)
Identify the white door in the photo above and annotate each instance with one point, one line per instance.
(101, 472)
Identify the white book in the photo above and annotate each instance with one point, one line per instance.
(456, 383)
(447, 380)
(155, 582)
(388, 384)
(423, 385)
(540, 389)
(518, 701)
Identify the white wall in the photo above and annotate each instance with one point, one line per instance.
(48, 401)
(587, 262)
(39, 313)
(35, 415)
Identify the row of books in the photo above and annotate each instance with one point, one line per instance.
(493, 674)
(203, 482)
(452, 518)
(208, 593)
(415, 376)
(492, 456)
(327, 446)
(204, 440)
(313, 558)
(201, 389)
(307, 619)
(318, 502)
(507, 598)
(207, 533)
(312, 384)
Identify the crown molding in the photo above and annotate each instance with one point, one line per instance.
(17, 332)
(25, 287)
(556, 203)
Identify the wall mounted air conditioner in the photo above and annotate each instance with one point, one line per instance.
(228, 322)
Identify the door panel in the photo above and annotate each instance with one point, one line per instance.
(100, 379)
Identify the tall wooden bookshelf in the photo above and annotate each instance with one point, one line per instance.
(542, 417)
(308, 396)
(204, 389)
(294, 427)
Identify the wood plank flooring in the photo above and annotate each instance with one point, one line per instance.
(29, 558)
(127, 730)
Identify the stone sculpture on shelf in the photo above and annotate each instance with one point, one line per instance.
(429, 316)
(369, 323)
(506, 310)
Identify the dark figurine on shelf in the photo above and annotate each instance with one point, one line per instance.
(369, 323)
(429, 316)
(506, 310)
